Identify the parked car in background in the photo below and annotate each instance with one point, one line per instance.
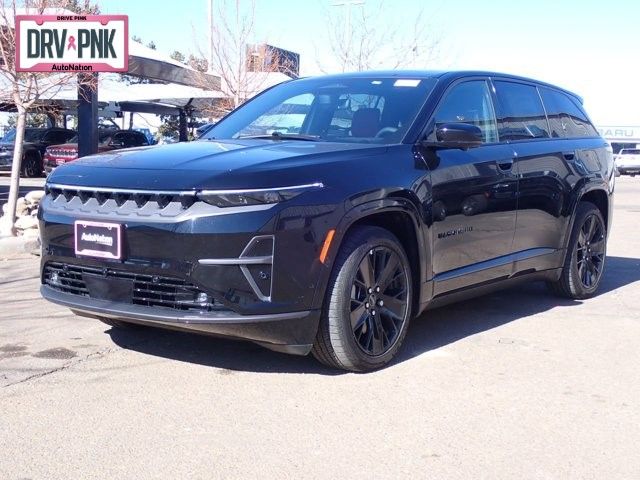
(36, 141)
(147, 133)
(397, 192)
(628, 161)
(107, 140)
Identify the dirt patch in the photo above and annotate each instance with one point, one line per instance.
(56, 353)
(12, 350)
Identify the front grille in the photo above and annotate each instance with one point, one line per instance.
(62, 152)
(148, 290)
(139, 199)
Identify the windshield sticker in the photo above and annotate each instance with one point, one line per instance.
(405, 82)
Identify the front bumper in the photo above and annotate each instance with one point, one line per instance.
(291, 332)
(249, 273)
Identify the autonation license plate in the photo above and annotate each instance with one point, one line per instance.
(97, 239)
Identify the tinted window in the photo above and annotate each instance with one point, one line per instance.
(469, 102)
(56, 137)
(521, 112)
(32, 135)
(566, 119)
(135, 139)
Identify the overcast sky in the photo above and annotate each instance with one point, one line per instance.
(589, 47)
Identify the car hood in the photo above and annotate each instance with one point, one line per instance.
(211, 164)
(74, 146)
(68, 146)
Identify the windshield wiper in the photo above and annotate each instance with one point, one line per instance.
(284, 136)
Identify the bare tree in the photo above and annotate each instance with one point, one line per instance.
(23, 90)
(370, 35)
(233, 53)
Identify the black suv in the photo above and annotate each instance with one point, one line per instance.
(36, 140)
(325, 213)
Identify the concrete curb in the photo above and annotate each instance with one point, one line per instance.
(14, 246)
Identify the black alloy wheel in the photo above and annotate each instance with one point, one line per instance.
(368, 302)
(584, 262)
(590, 251)
(379, 301)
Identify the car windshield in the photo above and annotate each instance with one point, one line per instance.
(357, 110)
(30, 135)
(630, 151)
(103, 138)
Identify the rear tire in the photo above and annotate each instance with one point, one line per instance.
(367, 306)
(584, 263)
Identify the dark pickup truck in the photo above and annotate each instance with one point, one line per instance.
(36, 140)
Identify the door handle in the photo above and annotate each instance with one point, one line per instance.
(569, 155)
(505, 165)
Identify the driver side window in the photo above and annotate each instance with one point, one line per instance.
(469, 102)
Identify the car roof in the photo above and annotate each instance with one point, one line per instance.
(449, 75)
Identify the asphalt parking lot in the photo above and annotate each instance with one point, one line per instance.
(517, 384)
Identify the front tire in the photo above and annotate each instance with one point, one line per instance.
(368, 302)
(31, 166)
(584, 264)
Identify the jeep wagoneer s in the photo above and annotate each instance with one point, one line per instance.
(325, 213)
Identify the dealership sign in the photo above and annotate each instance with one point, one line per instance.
(72, 43)
(620, 133)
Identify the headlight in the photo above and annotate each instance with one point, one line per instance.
(258, 196)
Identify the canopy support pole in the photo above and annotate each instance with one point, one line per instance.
(87, 114)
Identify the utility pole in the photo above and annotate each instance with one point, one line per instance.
(210, 11)
(347, 20)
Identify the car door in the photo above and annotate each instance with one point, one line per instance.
(474, 194)
(543, 166)
(118, 140)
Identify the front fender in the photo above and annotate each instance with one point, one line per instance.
(368, 210)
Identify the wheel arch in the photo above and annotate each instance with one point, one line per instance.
(600, 199)
(399, 216)
(596, 195)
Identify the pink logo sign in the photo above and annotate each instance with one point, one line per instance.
(83, 43)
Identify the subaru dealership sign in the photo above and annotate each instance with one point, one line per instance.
(620, 133)
(76, 43)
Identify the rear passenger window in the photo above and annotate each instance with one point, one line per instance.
(566, 118)
(521, 113)
(469, 102)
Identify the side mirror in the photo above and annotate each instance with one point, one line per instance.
(457, 135)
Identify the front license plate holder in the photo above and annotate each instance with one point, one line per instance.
(98, 239)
